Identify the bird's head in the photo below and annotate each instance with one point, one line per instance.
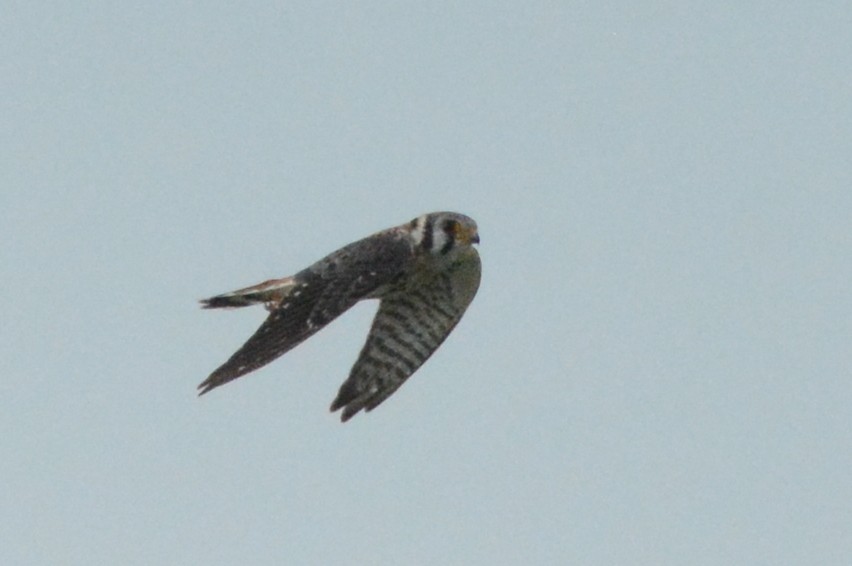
(443, 233)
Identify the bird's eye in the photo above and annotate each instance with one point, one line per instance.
(451, 227)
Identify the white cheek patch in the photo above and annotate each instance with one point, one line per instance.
(439, 240)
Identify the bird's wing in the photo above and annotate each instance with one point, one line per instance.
(313, 298)
(270, 293)
(409, 326)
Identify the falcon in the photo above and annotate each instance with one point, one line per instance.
(425, 274)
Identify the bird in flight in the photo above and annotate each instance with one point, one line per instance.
(424, 272)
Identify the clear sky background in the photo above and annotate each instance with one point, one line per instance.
(657, 368)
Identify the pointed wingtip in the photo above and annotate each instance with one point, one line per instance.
(213, 303)
(206, 386)
(224, 302)
(347, 412)
(350, 408)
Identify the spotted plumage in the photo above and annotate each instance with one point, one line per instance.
(425, 272)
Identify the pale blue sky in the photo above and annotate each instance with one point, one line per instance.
(657, 368)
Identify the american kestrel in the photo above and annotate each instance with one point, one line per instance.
(425, 272)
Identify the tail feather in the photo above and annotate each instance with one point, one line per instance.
(269, 292)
